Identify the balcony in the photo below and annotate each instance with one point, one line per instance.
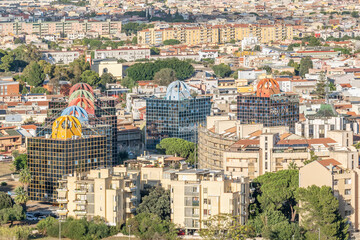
(61, 189)
(62, 200)
(80, 212)
(80, 202)
(80, 191)
(133, 199)
(62, 211)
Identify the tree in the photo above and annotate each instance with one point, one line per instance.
(6, 62)
(134, 41)
(14, 213)
(5, 201)
(75, 229)
(76, 68)
(146, 71)
(20, 162)
(33, 74)
(355, 14)
(257, 48)
(321, 86)
(165, 76)
(305, 64)
(171, 42)
(157, 202)
(274, 225)
(21, 196)
(147, 226)
(278, 192)
(268, 69)
(105, 79)
(313, 157)
(224, 226)
(319, 210)
(222, 70)
(26, 53)
(90, 77)
(25, 177)
(128, 82)
(39, 90)
(154, 51)
(177, 146)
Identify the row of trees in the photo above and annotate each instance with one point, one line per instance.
(275, 213)
(179, 147)
(147, 71)
(76, 229)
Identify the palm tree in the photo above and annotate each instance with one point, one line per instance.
(25, 178)
(21, 196)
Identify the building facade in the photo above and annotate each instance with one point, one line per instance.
(62, 153)
(216, 34)
(128, 54)
(62, 28)
(268, 107)
(176, 116)
(110, 193)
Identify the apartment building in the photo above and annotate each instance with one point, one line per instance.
(110, 193)
(216, 34)
(60, 57)
(128, 54)
(9, 87)
(198, 194)
(10, 139)
(63, 27)
(326, 119)
(343, 181)
(251, 150)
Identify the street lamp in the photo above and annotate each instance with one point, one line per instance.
(129, 226)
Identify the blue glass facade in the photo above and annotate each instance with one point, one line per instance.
(174, 118)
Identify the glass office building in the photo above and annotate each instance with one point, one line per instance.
(277, 110)
(178, 115)
(67, 150)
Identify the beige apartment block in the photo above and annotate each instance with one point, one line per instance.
(112, 194)
(204, 34)
(343, 181)
(251, 150)
(64, 27)
(198, 194)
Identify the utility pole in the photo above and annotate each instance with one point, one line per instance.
(319, 233)
(129, 230)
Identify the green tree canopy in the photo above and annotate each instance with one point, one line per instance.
(5, 200)
(165, 76)
(278, 191)
(222, 70)
(305, 64)
(157, 202)
(177, 146)
(14, 213)
(319, 210)
(146, 71)
(171, 42)
(6, 62)
(20, 162)
(225, 226)
(76, 68)
(147, 226)
(33, 74)
(128, 82)
(321, 86)
(90, 77)
(274, 225)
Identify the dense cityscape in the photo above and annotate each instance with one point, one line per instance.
(179, 119)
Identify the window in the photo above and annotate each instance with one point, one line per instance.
(205, 200)
(205, 190)
(145, 176)
(76, 162)
(100, 188)
(347, 191)
(348, 181)
(205, 212)
(266, 166)
(336, 182)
